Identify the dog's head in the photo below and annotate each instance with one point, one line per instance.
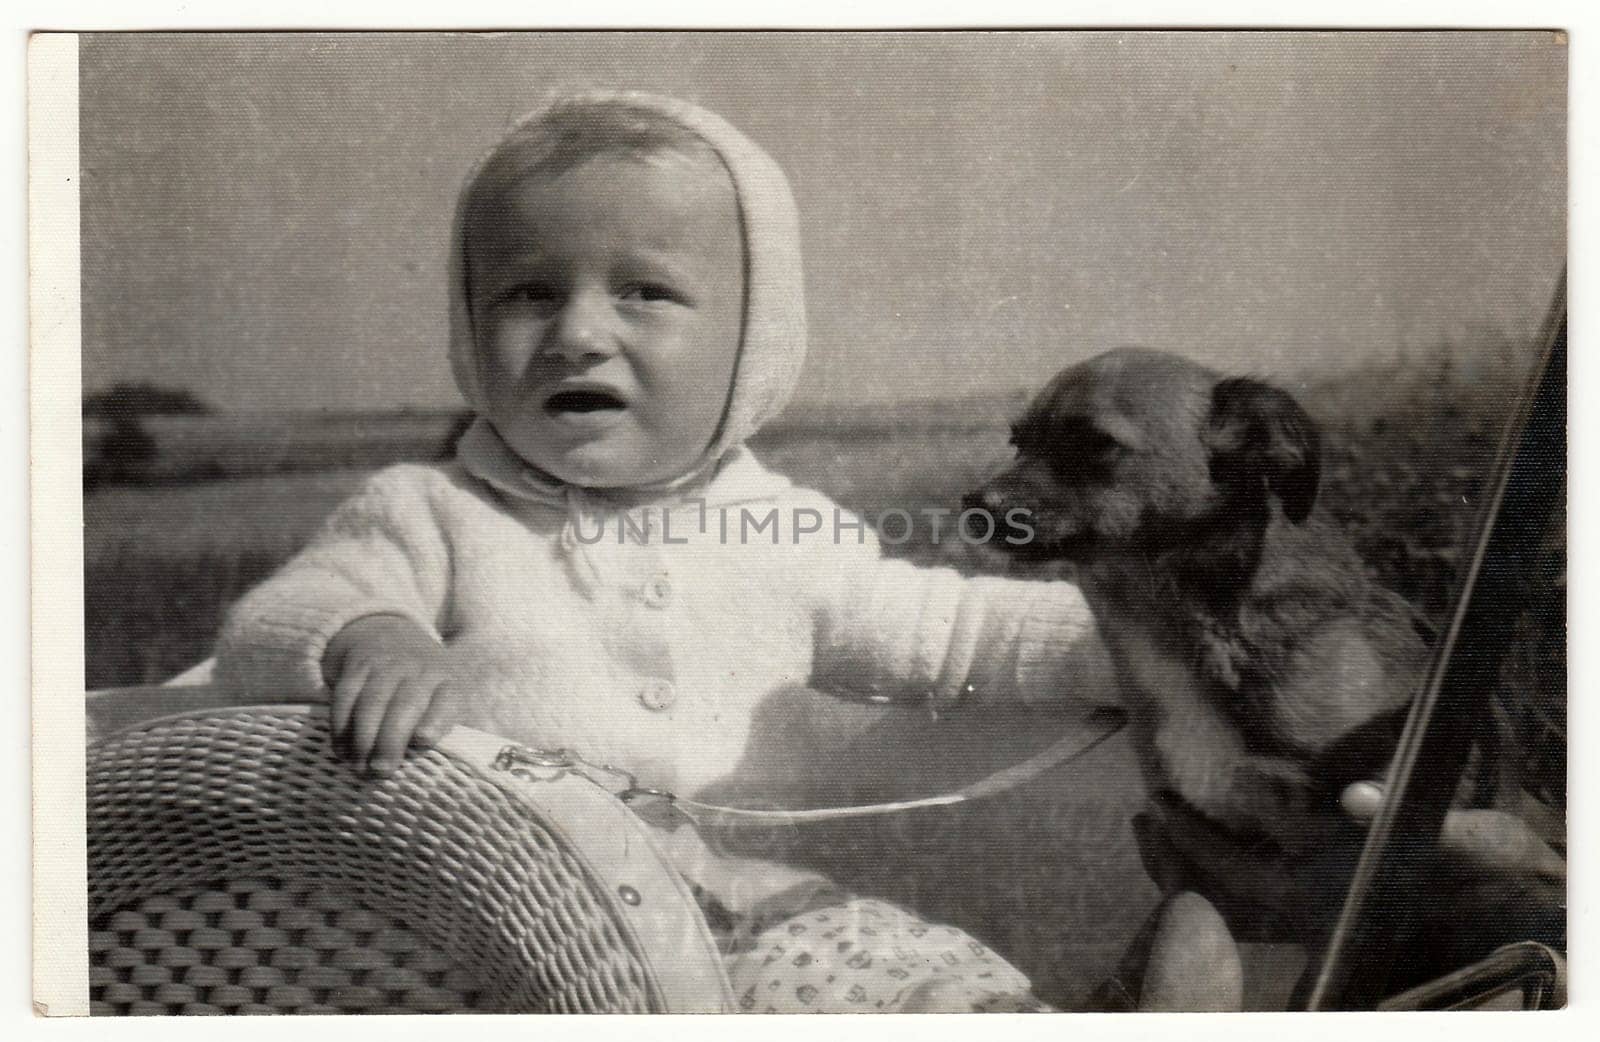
(1140, 450)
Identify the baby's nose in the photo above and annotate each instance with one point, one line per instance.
(583, 328)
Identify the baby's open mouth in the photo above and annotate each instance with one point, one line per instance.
(583, 401)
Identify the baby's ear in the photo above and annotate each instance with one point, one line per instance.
(1259, 433)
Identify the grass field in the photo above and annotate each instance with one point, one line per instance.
(1048, 875)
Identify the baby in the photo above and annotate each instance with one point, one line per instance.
(626, 311)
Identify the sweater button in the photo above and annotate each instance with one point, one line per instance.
(658, 591)
(658, 694)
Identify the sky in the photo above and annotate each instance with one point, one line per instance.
(264, 216)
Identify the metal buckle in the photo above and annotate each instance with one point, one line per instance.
(589, 770)
(656, 806)
(519, 761)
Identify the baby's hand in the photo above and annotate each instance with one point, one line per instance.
(393, 686)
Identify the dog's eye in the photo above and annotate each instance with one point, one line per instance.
(1088, 454)
(1098, 443)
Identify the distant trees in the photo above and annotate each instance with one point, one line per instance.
(133, 400)
(116, 447)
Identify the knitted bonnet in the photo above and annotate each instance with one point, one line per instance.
(773, 339)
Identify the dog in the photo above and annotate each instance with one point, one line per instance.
(1262, 670)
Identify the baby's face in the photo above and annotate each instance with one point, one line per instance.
(607, 305)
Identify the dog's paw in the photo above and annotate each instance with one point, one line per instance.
(1280, 799)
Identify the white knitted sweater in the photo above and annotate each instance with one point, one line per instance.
(652, 652)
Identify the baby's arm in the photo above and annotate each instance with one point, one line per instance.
(357, 611)
(891, 628)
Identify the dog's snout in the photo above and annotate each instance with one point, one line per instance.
(978, 508)
(980, 499)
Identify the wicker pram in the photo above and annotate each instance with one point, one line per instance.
(236, 865)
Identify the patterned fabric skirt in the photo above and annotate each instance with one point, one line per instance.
(819, 949)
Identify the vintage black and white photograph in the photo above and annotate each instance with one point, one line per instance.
(847, 522)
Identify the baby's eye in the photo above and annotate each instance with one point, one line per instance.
(652, 293)
(538, 295)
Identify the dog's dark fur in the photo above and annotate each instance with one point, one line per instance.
(1261, 668)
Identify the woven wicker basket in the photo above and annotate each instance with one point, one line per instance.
(237, 865)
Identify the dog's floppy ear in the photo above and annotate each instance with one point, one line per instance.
(1259, 433)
